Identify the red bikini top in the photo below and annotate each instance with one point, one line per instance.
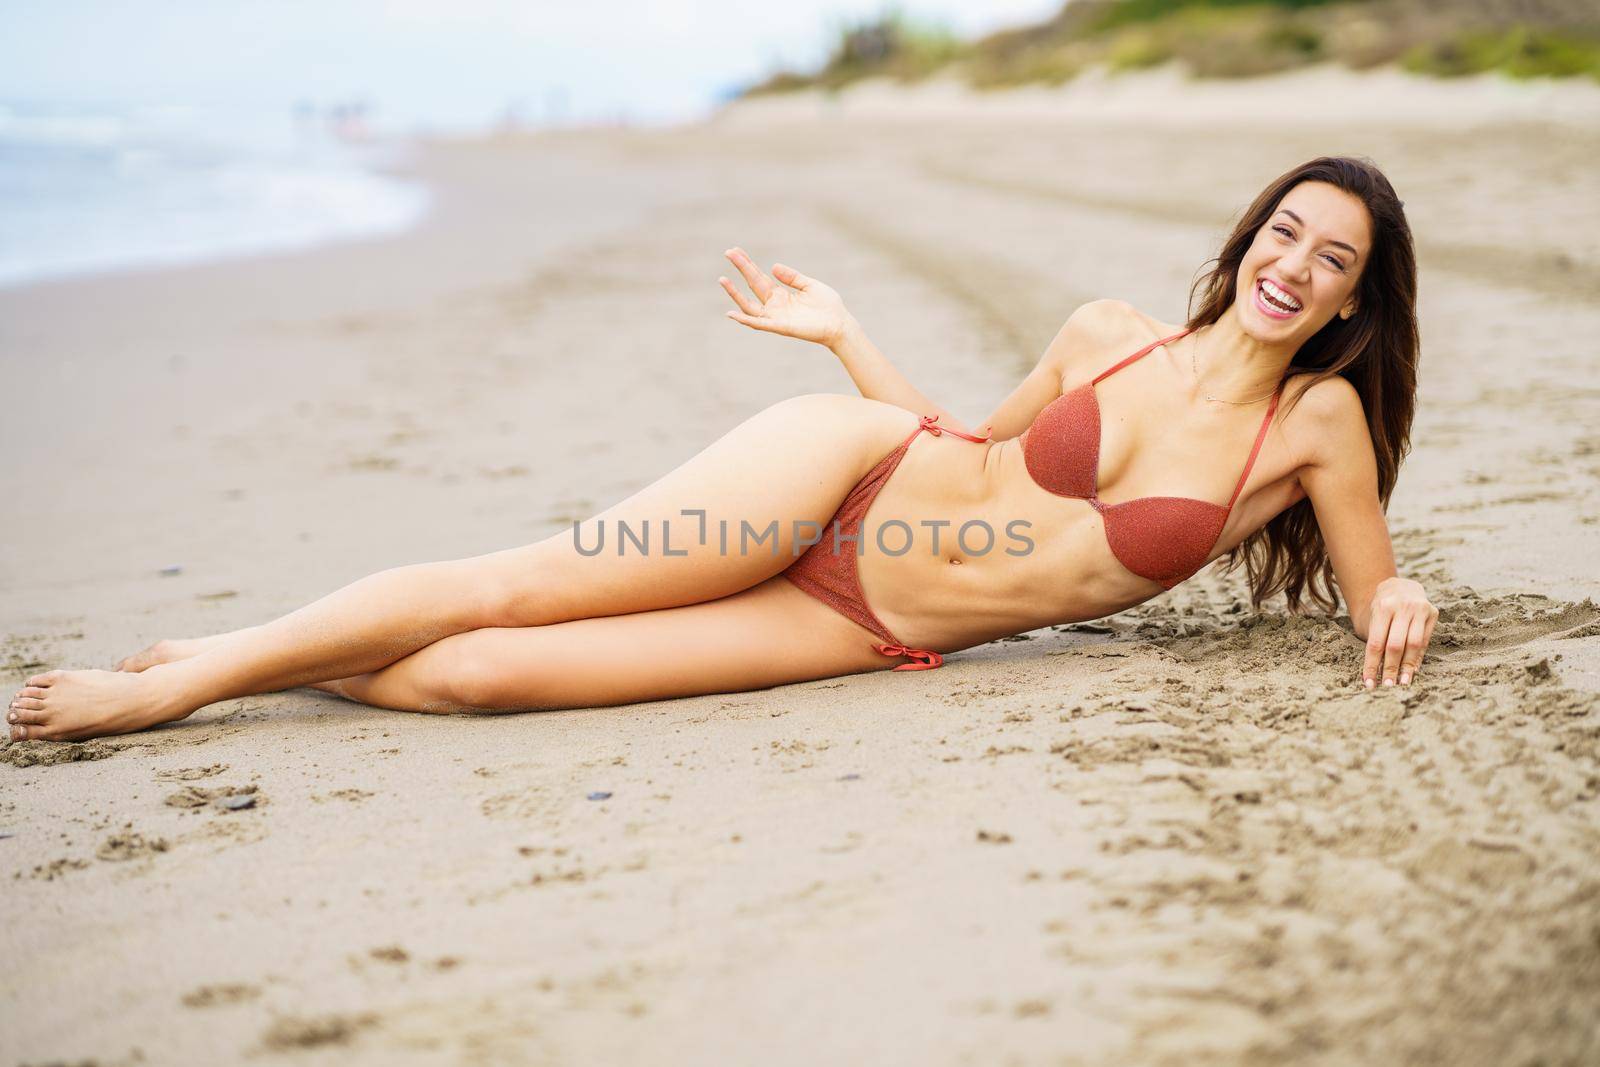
(1163, 538)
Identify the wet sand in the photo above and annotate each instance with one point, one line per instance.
(1182, 835)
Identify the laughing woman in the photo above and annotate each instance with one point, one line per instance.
(1269, 428)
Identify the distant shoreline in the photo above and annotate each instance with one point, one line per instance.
(88, 192)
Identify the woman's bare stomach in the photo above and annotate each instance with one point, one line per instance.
(961, 546)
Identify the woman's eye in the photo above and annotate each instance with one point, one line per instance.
(1290, 234)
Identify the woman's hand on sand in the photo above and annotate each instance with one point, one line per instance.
(794, 305)
(1399, 627)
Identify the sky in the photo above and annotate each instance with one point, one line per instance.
(426, 64)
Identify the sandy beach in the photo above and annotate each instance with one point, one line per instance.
(1182, 835)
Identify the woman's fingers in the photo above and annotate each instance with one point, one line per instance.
(753, 323)
(1416, 641)
(759, 283)
(1396, 643)
(1394, 650)
(790, 277)
(1377, 642)
(745, 305)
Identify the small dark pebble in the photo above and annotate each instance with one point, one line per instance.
(236, 802)
(599, 796)
(168, 572)
(848, 777)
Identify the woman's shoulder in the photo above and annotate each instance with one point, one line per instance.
(1096, 333)
(1325, 415)
(1114, 322)
(1332, 399)
(1124, 329)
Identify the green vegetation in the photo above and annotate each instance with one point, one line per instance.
(1520, 51)
(891, 45)
(1224, 39)
(1132, 51)
(1134, 11)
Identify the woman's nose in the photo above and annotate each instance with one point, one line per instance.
(1296, 266)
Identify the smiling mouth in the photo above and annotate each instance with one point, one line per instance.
(1276, 299)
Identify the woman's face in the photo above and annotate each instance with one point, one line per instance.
(1301, 270)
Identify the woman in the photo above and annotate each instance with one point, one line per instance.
(1050, 513)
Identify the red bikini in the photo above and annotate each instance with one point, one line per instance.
(828, 572)
(1163, 538)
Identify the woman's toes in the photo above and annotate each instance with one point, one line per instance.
(45, 680)
(22, 709)
(24, 731)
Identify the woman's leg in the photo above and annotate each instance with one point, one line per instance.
(794, 461)
(170, 650)
(770, 634)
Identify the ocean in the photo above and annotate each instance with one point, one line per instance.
(86, 189)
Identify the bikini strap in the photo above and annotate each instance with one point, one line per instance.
(1146, 350)
(1261, 435)
(926, 422)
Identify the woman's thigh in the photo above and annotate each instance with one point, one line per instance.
(793, 462)
(771, 634)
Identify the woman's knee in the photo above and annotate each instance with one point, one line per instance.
(490, 590)
(466, 673)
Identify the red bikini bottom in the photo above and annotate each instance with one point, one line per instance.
(828, 569)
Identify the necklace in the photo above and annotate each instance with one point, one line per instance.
(1217, 399)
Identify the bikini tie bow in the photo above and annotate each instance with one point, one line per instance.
(927, 423)
(922, 659)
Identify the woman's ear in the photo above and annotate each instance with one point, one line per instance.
(1348, 310)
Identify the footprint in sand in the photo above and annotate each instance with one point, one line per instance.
(191, 774)
(222, 798)
(129, 844)
(295, 1032)
(211, 996)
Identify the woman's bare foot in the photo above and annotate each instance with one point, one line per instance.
(172, 650)
(73, 705)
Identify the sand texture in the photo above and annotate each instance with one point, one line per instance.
(1180, 836)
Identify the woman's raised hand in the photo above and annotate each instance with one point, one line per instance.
(799, 307)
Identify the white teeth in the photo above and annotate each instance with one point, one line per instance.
(1277, 297)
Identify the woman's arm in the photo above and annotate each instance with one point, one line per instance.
(805, 308)
(1340, 476)
(878, 379)
(871, 369)
(809, 310)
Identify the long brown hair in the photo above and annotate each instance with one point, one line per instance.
(1375, 350)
